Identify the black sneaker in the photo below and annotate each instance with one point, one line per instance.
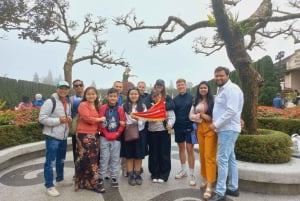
(114, 183)
(217, 197)
(234, 193)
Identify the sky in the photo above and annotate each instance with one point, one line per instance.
(20, 59)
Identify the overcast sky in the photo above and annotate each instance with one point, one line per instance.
(21, 59)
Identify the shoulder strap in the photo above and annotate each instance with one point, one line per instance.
(54, 103)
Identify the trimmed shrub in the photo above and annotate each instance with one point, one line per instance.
(11, 135)
(268, 147)
(288, 126)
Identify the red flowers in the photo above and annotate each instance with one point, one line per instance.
(287, 113)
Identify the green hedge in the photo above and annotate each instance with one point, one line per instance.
(268, 147)
(12, 90)
(288, 126)
(11, 135)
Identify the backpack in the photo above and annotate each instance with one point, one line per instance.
(53, 108)
(112, 122)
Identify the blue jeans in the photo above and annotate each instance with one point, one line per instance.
(227, 165)
(55, 152)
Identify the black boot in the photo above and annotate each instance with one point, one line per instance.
(138, 178)
(131, 178)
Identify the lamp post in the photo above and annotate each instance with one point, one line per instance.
(279, 56)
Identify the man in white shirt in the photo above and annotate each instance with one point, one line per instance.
(227, 123)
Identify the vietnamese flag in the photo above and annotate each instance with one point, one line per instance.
(156, 113)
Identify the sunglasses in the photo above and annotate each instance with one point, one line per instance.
(77, 85)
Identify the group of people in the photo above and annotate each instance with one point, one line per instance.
(100, 149)
(27, 104)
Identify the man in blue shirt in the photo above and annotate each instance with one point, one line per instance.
(75, 100)
(227, 111)
(277, 102)
(183, 127)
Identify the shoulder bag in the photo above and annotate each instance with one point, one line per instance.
(131, 132)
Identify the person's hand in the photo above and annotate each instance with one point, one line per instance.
(101, 119)
(168, 126)
(212, 127)
(64, 119)
(122, 123)
(242, 123)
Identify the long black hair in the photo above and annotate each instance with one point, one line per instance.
(128, 106)
(209, 97)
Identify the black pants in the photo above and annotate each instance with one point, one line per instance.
(74, 148)
(159, 154)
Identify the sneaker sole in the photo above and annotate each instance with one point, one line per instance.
(180, 177)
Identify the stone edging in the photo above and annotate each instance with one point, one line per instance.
(269, 178)
(20, 153)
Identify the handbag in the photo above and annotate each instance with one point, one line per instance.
(74, 124)
(193, 134)
(131, 132)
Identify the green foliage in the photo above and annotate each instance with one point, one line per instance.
(265, 68)
(288, 126)
(267, 147)
(11, 135)
(211, 19)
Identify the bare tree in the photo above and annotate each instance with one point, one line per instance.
(29, 16)
(231, 34)
(62, 33)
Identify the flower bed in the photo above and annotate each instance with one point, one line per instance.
(272, 112)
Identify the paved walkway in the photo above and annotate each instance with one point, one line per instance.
(24, 182)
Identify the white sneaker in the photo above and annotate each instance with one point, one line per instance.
(63, 183)
(154, 180)
(160, 181)
(181, 174)
(52, 192)
(192, 180)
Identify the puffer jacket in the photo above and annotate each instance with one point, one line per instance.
(52, 126)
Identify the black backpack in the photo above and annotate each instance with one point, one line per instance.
(53, 108)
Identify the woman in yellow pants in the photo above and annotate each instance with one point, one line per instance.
(201, 113)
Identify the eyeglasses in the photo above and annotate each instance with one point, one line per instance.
(77, 85)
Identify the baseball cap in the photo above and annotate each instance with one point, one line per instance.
(63, 84)
(160, 82)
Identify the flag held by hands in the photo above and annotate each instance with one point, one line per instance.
(156, 113)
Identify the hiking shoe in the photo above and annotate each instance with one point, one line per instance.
(52, 192)
(181, 174)
(234, 193)
(192, 180)
(114, 183)
(63, 183)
